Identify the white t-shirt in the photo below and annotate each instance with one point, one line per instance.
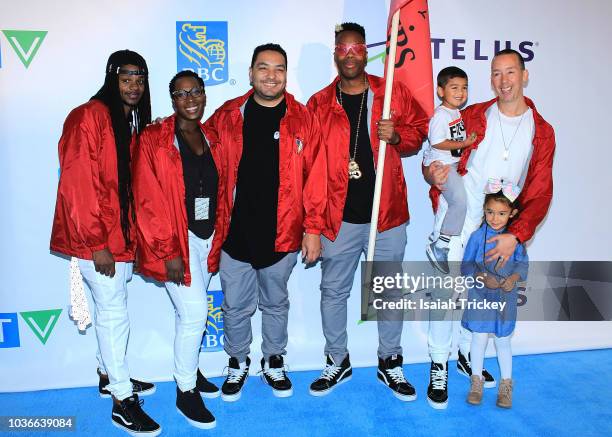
(446, 124)
(487, 161)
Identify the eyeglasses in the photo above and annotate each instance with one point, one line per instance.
(344, 49)
(183, 94)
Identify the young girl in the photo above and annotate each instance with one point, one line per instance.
(495, 284)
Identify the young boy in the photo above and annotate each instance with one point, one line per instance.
(446, 139)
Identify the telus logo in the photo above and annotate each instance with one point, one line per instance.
(477, 49)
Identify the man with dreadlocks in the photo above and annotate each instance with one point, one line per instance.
(94, 220)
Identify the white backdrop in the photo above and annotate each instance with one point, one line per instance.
(569, 70)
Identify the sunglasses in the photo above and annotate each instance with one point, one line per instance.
(357, 49)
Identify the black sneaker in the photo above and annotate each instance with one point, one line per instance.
(139, 388)
(464, 368)
(128, 415)
(391, 374)
(191, 405)
(207, 388)
(236, 377)
(274, 374)
(437, 391)
(331, 376)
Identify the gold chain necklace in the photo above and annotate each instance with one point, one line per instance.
(353, 168)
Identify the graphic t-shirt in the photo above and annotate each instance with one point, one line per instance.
(446, 124)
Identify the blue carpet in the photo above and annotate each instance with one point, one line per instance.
(555, 394)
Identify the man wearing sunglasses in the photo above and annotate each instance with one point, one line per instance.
(350, 111)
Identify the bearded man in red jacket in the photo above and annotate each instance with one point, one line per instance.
(94, 221)
(514, 144)
(350, 111)
(271, 203)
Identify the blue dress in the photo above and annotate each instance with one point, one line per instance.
(500, 323)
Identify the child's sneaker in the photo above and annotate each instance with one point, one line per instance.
(504, 394)
(475, 395)
(438, 257)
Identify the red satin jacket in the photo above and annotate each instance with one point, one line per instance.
(411, 123)
(87, 213)
(537, 191)
(302, 193)
(159, 198)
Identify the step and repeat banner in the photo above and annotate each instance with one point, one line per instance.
(52, 59)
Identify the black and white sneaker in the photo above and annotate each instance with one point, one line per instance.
(274, 374)
(464, 368)
(206, 388)
(332, 376)
(237, 375)
(129, 416)
(139, 388)
(437, 391)
(191, 406)
(391, 374)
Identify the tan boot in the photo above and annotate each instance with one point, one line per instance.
(504, 395)
(475, 394)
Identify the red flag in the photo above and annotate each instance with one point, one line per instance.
(413, 57)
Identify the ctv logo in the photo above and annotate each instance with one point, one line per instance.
(213, 338)
(25, 43)
(201, 46)
(41, 323)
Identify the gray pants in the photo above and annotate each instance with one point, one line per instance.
(339, 263)
(244, 288)
(455, 196)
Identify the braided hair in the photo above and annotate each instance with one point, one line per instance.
(110, 96)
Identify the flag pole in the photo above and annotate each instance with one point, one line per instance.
(380, 166)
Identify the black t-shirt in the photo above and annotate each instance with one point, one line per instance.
(201, 181)
(360, 194)
(252, 231)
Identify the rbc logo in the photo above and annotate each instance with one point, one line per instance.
(213, 338)
(201, 46)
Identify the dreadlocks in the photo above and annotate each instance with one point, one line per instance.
(109, 95)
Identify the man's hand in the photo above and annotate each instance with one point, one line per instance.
(504, 248)
(489, 281)
(104, 262)
(436, 174)
(311, 248)
(469, 140)
(158, 120)
(386, 132)
(508, 283)
(175, 270)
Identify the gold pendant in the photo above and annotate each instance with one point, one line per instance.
(353, 170)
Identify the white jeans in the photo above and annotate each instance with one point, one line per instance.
(441, 325)
(191, 310)
(111, 322)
